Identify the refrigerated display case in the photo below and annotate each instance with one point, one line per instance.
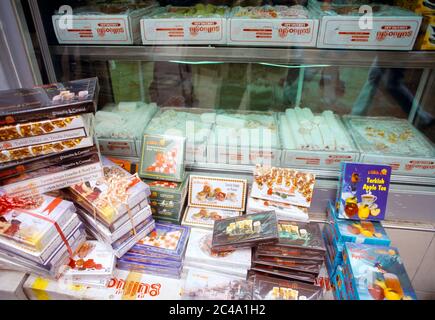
(276, 102)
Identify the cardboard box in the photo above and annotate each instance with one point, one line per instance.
(96, 28)
(273, 32)
(12, 285)
(194, 30)
(395, 31)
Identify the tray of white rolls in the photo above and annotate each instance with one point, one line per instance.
(393, 141)
(315, 140)
(119, 127)
(244, 137)
(195, 124)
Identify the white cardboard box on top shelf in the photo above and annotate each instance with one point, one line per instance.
(184, 30)
(297, 32)
(92, 27)
(343, 27)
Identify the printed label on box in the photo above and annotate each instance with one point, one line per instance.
(215, 192)
(282, 32)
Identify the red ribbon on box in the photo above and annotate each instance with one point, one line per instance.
(8, 203)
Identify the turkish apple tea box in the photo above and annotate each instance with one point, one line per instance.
(283, 185)
(378, 273)
(51, 101)
(368, 232)
(206, 217)
(245, 231)
(217, 192)
(163, 157)
(363, 191)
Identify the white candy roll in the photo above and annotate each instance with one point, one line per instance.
(286, 134)
(303, 128)
(327, 136)
(299, 139)
(341, 138)
(208, 117)
(228, 121)
(318, 143)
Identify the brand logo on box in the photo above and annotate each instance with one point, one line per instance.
(297, 28)
(204, 26)
(394, 32)
(114, 28)
(132, 288)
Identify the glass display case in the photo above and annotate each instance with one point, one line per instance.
(301, 84)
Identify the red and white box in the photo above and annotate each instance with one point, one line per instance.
(388, 32)
(210, 30)
(273, 32)
(98, 28)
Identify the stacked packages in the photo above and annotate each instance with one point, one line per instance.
(114, 208)
(46, 137)
(161, 252)
(38, 234)
(286, 191)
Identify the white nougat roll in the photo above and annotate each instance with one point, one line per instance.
(318, 143)
(327, 135)
(286, 134)
(300, 142)
(228, 121)
(341, 139)
(305, 128)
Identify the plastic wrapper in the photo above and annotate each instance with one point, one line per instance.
(167, 190)
(111, 197)
(48, 102)
(283, 210)
(268, 288)
(245, 231)
(205, 217)
(206, 285)
(284, 273)
(287, 252)
(300, 235)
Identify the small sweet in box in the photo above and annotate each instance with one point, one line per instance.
(167, 210)
(245, 231)
(272, 26)
(92, 264)
(283, 185)
(363, 191)
(34, 223)
(160, 252)
(392, 28)
(185, 25)
(377, 273)
(217, 192)
(206, 217)
(283, 211)
(163, 157)
(101, 24)
(49, 101)
(269, 288)
(167, 190)
(111, 197)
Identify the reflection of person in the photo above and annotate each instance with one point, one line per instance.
(393, 78)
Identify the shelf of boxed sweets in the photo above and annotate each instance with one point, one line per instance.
(337, 57)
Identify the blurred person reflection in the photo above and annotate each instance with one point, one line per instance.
(393, 79)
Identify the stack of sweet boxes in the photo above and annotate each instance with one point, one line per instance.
(46, 137)
(360, 262)
(162, 168)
